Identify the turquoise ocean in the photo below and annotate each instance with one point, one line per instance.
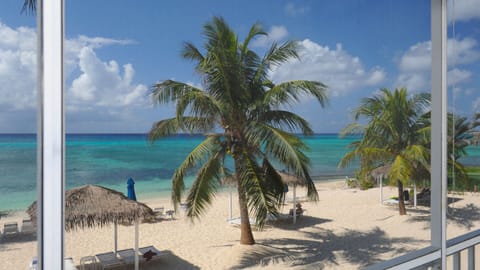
(110, 159)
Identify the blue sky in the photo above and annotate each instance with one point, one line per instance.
(115, 50)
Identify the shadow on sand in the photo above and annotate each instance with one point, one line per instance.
(325, 249)
(461, 216)
(167, 261)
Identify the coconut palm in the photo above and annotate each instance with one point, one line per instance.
(241, 112)
(395, 134)
(29, 6)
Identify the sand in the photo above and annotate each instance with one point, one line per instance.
(345, 229)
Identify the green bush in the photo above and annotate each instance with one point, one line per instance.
(366, 183)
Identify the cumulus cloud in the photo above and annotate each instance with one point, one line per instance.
(338, 69)
(95, 84)
(103, 84)
(463, 10)
(414, 65)
(17, 68)
(293, 10)
(276, 33)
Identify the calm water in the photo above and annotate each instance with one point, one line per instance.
(109, 160)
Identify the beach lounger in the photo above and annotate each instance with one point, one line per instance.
(89, 262)
(68, 263)
(109, 260)
(158, 211)
(10, 229)
(28, 228)
(127, 255)
(150, 253)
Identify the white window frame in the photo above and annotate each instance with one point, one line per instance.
(51, 137)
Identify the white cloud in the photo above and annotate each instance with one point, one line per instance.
(414, 65)
(292, 10)
(17, 67)
(102, 84)
(463, 10)
(276, 33)
(338, 69)
(96, 84)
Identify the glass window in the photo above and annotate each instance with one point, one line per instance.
(18, 125)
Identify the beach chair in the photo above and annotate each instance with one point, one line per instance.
(150, 253)
(158, 211)
(127, 255)
(89, 262)
(69, 265)
(33, 264)
(10, 229)
(28, 228)
(109, 260)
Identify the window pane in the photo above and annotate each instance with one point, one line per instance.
(463, 213)
(355, 48)
(18, 124)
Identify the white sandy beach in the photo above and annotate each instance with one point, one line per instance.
(345, 229)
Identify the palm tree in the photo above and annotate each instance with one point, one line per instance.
(396, 135)
(240, 112)
(29, 6)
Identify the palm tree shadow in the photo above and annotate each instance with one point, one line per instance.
(323, 247)
(301, 222)
(463, 217)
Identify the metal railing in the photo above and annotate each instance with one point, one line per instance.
(428, 258)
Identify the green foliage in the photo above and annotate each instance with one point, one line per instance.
(366, 183)
(238, 99)
(394, 135)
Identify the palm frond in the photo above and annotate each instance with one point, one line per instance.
(204, 187)
(286, 120)
(291, 92)
(170, 91)
(171, 127)
(207, 148)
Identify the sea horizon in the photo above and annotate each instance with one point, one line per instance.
(109, 159)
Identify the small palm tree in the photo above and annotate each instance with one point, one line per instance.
(240, 112)
(396, 135)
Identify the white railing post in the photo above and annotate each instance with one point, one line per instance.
(456, 261)
(439, 127)
(51, 138)
(471, 258)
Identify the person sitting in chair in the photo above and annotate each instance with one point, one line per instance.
(298, 210)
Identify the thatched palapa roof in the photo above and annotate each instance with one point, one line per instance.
(287, 179)
(91, 206)
(381, 171)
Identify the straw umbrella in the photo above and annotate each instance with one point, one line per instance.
(287, 179)
(292, 180)
(379, 173)
(95, 206)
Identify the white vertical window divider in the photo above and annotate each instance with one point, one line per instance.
(51, 135)
(439, 127)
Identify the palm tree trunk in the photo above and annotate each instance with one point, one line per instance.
(401, 202)
(246, 235)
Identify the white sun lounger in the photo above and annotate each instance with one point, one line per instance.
(109, 260)
(68, 262)
(127, 255)
(153, 249)
(27, 227)
(10, 229)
